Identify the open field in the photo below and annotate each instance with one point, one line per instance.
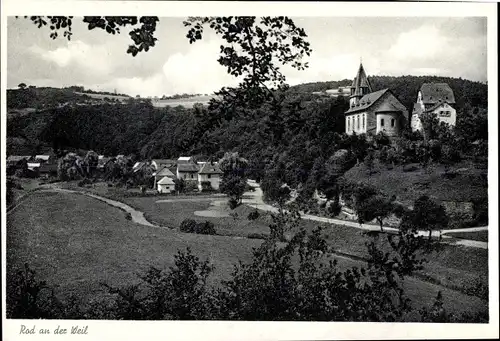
(76, 242)
(188, 102)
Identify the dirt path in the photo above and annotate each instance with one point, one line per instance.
(254, 199)
(137, 216)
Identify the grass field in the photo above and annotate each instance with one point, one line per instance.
(75, 242)
(467, 185)
(481, 236)
(455, 267)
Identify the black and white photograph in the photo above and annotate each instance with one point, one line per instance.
(282, 167)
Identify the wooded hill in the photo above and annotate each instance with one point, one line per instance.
(137, 128)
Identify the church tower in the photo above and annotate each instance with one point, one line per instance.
(360, 87)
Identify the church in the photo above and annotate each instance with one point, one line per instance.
(373, 112)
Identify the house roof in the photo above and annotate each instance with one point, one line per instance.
(42, 157)
(138, 166)
(17, 158)
(361, 81)
(164, 161)
(166, 181)
(367, 101)
(433, 92)
(164, 172)
(435, 106)
(210, 168)
(184, 159)
(102, 161)
(187, 167)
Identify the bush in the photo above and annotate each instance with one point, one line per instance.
(233, 203)
(191, 226)
(205, 228)
(128, 216)
(410, 168)
(253, 215)
(206, 186)
(188, 226)
(257, 236)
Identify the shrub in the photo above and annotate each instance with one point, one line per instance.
(233, 203)
(205, 228)
(188, 226)
(257, 236)
(206, 186)
(410, 168)
(316, 242)
(253, 215)
(128, 216)
(191, 226)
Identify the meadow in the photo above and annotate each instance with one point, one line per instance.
(75, 242)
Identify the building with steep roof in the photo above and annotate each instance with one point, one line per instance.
(373, 112)
(437, 99)
(209, 172)
(165, 185)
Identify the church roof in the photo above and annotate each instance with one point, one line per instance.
(361, 81)
(367, 101)
(387, 107)
(433, 92)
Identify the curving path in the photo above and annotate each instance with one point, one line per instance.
(254, 199)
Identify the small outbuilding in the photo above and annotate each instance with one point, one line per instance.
(165, 185)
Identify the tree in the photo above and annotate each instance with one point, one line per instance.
(375, 207)
(234, 178)
(369, 160)
(22, 86)
(426, 215)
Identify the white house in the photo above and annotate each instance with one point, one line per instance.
(187, 171)
(165, 185)
(209, 172)
(437, 99)
(163, 172)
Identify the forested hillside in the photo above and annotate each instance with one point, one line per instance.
(299, 133)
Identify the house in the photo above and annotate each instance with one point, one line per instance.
(373, 112)
(437, 99)
(209, 172)
(166, 185)
(187, 171)
(160, 163)
(163, 172)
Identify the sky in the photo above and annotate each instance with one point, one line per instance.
(454, 47)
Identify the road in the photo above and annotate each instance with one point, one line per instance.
(254, 199)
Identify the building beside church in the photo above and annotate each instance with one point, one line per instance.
(373, 112)
(437, 99)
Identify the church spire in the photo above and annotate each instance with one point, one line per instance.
(360, 85)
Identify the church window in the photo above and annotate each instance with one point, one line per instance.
(357, 119)
(381, 122)
(348, 123)
(363, 121)
(393, 122)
